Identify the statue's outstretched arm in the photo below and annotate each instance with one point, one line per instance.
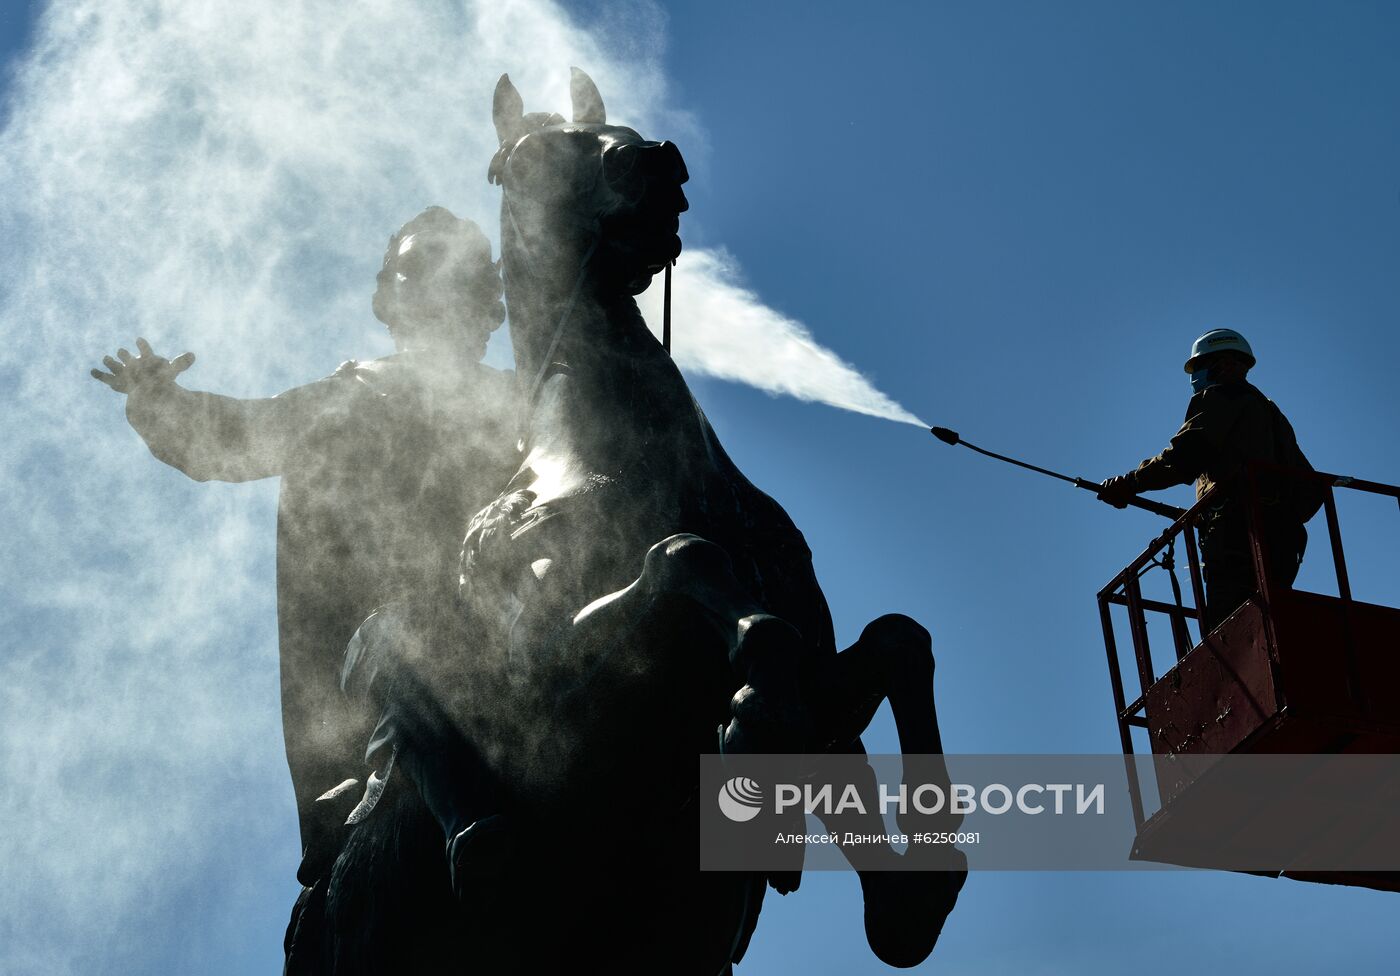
(207, 436)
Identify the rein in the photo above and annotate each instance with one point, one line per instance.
(666, 310)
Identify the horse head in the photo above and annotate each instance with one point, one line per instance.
(584, 196)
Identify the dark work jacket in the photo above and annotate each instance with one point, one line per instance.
(1226, 427)
(382, 465)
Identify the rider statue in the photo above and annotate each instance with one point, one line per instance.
(382, 465)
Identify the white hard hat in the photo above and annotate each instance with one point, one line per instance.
(1219, 340)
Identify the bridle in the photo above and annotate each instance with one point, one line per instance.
(527, 407)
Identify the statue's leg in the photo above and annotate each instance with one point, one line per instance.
(303, 945)
(907, 897)
(401, 665)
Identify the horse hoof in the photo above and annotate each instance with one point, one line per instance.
(761, 725)
(784, 882)
(767, 715)
(905, 912)
(479, 855)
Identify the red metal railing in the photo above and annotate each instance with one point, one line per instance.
(1125, 590)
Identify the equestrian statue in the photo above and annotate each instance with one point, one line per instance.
(627, 602)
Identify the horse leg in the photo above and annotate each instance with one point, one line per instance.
(641, 679)
(763, 651)
(687, 586)
(893, 660)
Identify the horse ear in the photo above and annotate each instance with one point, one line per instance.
(588, 104)
(507, 110)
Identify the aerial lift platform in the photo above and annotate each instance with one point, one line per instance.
(1289, 673)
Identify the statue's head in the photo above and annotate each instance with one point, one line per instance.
(439, 287)
(569, 186)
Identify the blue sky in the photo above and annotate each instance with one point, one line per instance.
(1013, 218)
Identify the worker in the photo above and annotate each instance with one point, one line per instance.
(1229, 424)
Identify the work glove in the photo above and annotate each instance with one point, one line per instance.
(1118, 491)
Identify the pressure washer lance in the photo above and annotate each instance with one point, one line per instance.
(1156, 508)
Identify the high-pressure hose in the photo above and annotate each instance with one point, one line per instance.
(1156, 508)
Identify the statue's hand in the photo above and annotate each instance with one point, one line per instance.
(128, 371)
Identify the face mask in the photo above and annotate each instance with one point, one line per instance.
(1200, 380)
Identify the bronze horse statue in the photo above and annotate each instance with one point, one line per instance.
(629, 601)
